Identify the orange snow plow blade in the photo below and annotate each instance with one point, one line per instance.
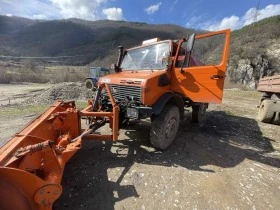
(33, 161)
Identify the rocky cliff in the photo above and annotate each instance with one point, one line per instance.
(255, 52)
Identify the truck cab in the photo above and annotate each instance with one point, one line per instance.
(159, 79)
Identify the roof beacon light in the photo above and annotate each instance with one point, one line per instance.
(149, 41)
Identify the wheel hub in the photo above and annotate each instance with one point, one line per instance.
(170, 128)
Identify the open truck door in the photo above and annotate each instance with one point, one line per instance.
(199, 73)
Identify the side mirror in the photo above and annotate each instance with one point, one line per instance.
(113, 66)
(167, 59)
(190, 43)
(188, 51)
(170, 61)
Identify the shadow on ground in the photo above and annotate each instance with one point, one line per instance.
(221, 140)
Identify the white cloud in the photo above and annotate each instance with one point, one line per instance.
(192, 23)
(40, 16)
(57, 9)
(113, 13)
(28, 8)
(173, 5)
(233, 22)
(268, 11)
(85, 9)
(153, 8)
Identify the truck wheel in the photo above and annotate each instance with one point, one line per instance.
(123, 120)
(276, 119)
(198, 112)
(266, 111)
(165, 126)
(89, 84)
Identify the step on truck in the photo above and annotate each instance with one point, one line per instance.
(269, 108)
(155, 80)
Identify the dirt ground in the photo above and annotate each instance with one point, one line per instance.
(12, 116)
(229, 161)
(14, 94)
(22, 102)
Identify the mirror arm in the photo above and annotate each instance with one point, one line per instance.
(188, 51)
(189, 59)
(121, 53)
(182, 70)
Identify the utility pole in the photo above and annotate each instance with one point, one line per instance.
(256, 14)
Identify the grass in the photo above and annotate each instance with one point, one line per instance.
(22, 110)
(244, 94)
(231, 85)
(81, 104)
(37, 73)
(26, 110)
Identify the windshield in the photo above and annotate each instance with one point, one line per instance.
(148, 57)
(98, 72)
(103, 73)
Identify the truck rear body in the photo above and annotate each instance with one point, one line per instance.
(269, 108)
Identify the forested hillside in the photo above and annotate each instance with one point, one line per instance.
(254, 49)
(95, 40)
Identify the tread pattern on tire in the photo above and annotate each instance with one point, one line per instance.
(198, 111)
(276, 118)
(89, 84)
(195, 114)
(266, 111)
(158, 128)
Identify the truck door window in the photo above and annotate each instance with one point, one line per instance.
(209, 50)
(206, 51)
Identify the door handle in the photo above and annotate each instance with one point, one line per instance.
(216, 77)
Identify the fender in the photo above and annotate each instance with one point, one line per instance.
(170, 97)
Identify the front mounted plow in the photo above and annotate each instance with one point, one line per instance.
(33, 161)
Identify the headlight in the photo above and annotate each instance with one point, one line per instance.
(132, 113)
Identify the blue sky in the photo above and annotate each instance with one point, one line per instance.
(199, 14)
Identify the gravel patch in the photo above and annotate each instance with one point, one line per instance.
(63, 91)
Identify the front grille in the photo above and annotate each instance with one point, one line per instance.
(120, 92)
(135, 82)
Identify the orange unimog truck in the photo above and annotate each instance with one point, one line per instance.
(160, 78)
(157, 79)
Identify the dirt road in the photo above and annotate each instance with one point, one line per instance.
(13, 94)
(13, 115)
(230, 161)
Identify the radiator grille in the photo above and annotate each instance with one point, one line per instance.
(119, 92)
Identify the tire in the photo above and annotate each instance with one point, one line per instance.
(266, 111)
(276, 119)
(198, 112)
(89, 84)
(123, 120)
(165, 126)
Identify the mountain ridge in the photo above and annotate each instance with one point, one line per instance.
(254, 49)
(37, 37)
